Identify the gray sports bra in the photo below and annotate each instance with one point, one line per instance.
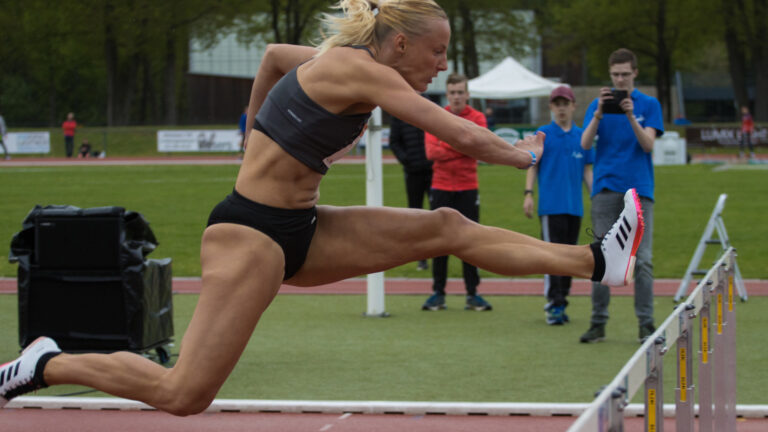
(304, 129)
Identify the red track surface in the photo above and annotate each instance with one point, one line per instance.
(214, 159)
(535, 286)
(29, 420)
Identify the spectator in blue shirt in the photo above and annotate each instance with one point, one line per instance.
(3, 133)
(241, 126)
(623, 160)
(563, 167)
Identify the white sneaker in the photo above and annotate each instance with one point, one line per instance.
(21, 376)
(620, 244)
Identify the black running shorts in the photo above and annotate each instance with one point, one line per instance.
(289, 228)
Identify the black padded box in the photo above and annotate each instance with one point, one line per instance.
(84, 280)
(77, 243)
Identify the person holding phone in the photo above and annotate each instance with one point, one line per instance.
(626, 123)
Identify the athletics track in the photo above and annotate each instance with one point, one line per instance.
(25, 414)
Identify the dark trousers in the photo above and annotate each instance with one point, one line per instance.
(467, 203)
(561, 228)
(746, 139)
(417, 186)
(69, 145)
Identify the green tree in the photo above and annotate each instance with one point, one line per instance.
(145, 53)
(280, 21)
(745, 32)
(112, 62)
(487, 30)
(47, 68)
(663, 33)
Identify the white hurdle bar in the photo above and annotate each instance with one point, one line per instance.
(712, 298)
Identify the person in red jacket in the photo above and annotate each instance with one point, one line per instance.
(454, 185)
(68, 127)
(747, 129)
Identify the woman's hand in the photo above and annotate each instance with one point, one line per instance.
(533, 145)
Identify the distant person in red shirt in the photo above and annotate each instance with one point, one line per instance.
(68, 127)
(747, 129)
(454, 185)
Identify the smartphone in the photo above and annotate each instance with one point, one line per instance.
(611, 106)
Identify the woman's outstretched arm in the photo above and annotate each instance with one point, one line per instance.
(384, 87)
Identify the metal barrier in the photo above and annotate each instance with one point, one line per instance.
(713, 302)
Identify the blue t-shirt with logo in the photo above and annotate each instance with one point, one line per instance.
(620, 161)
(561, 171)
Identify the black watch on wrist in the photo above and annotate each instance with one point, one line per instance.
(528, 191)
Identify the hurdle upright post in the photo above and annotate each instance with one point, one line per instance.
(705, 362)
(374, 198)
(684, 392)
(654, 387)
(730, 344)
(617, 404)
(718, 357)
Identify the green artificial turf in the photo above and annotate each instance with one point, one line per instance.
(320, 347)
(176, 201)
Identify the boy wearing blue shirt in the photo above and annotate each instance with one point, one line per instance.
(563, 167)
(623, 160)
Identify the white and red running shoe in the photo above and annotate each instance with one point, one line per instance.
(620, 244)
(22, 375)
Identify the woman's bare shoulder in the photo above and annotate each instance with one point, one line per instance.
(349, 65)
(343, 76)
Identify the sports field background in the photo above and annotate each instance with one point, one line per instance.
(176, 201)
(321, 348)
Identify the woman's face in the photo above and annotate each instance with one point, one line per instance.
(426, 55)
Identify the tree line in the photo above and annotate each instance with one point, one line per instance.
(124, 62)
(669, 35)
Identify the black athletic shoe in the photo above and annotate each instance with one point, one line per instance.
(477, 303)
(435, 302)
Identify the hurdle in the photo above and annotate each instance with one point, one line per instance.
(712, 301)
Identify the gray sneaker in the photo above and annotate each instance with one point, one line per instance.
(596, 333)
(435, 302)
(644, 332)
(477, 303)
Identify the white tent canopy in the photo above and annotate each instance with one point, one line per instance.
(510, 80)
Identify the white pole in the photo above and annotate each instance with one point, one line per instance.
(374, 198)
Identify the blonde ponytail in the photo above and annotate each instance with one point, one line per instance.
(368, 22)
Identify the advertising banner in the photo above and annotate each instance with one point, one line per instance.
(211, 140)
(28, 142)
(723, 136)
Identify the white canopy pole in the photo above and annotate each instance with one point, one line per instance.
(374, 198)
